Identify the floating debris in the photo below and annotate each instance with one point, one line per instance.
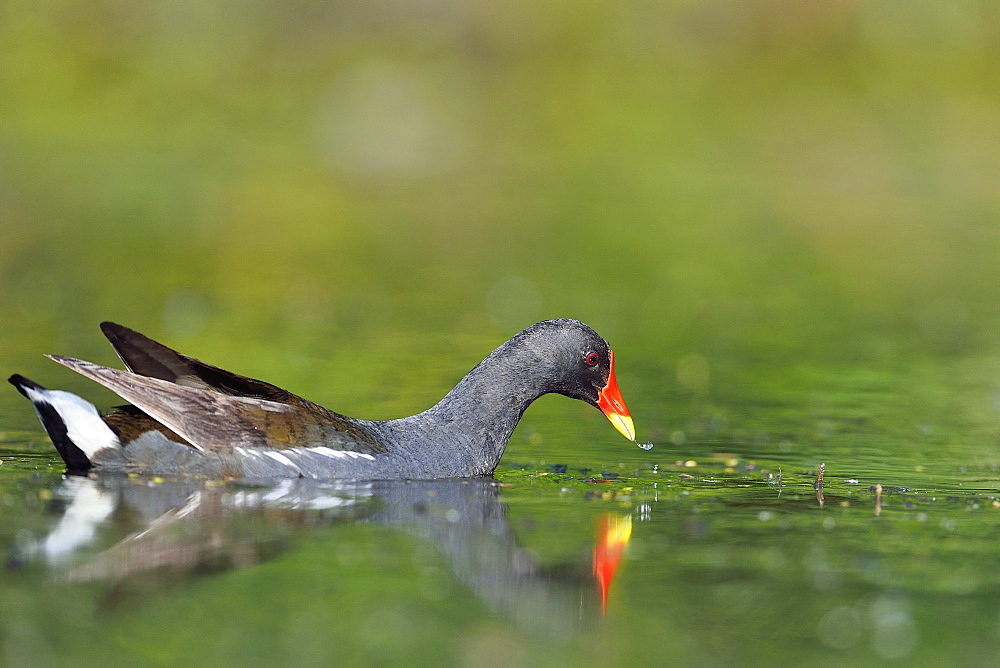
(648, 445)
(818, 486)
(888, 490)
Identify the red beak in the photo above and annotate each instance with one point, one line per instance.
(610, 401)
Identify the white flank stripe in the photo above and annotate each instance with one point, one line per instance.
(338, 454)
(84, 425)
(280, 458)
(327, 452)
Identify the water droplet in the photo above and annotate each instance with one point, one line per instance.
(648, 445)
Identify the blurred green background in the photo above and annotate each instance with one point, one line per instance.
(783, 215)
(361, 198)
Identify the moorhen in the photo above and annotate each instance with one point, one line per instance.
(187, 417)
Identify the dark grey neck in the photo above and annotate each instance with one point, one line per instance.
(466, 432)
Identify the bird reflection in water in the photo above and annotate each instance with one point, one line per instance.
(179, 529)
(613, 533)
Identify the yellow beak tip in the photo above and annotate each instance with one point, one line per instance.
(623, 423)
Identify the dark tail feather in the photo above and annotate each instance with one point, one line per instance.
(146, 357)
(73, 424)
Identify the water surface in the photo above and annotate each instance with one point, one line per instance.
(731, 557)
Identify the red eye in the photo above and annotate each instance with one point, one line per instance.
(592, 359)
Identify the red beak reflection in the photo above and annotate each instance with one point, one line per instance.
(613, 532)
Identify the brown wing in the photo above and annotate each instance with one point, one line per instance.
(129, 422)
(210, 419)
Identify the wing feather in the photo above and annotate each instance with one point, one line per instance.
(212, 420)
